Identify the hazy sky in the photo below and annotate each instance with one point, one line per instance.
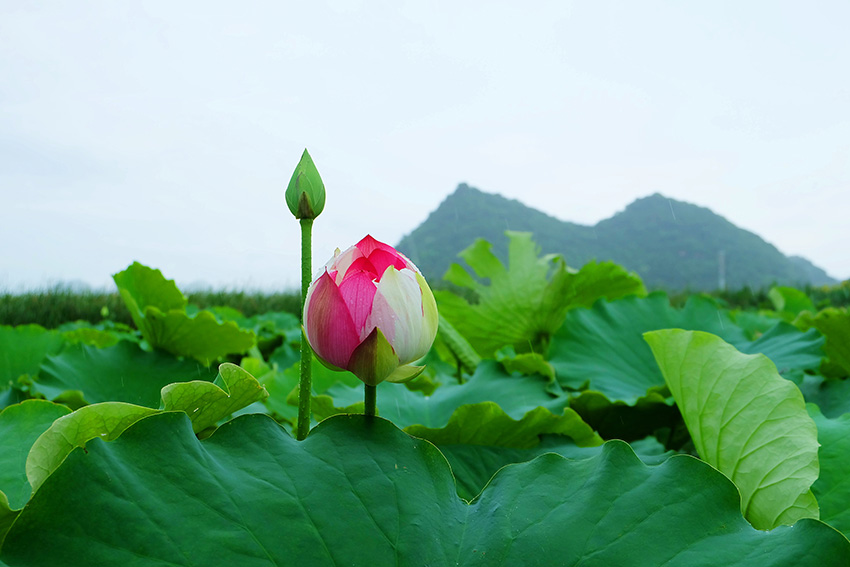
(166, 132)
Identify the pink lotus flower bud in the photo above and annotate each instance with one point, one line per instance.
(371, 312)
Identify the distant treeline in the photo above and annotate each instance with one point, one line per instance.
(53, 307)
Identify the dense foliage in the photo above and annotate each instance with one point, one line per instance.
(56, 306)
(672, 245)
(565, 417)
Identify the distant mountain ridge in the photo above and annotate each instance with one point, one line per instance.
(672, 244)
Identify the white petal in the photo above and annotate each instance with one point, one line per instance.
(397, 311)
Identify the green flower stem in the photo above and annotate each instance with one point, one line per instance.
(371, 396)
(306, 384)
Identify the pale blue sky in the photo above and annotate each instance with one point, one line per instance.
(166, 132)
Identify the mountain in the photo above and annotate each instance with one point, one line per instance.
(671, 244)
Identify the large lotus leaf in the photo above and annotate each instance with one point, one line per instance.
(790, 301)
(514, 393)
(832, 488)
(491, 408)
(104, 421)
(790, 350)
(831, 396)
(474, 465)
(22, 349)
(358, 491)
(604, 345)
(835, 325)
(20, 426)
(143, 287)
(754, 323)
(486, 423)
(209, 402)
(121, 373)
(7, 518)
(603, 279)
(202, 337)
(746, 420)
(158, 309)
(602, 348)
(533, 294)
(204, 402)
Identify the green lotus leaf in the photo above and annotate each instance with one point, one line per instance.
(525, 363)
(158, 309)
(492, 408)
(141, 287)
(474, 465)
(121, 373)
(602, 348)
(486, 423)
(23, 348)
(20, 426)
(515, 394)
(596, 280)
(104, 421)
(835, 325)
(206, 403)
(12, 395)
(831, 396)
(533, 293)
(202, 337)
(791, 351)
(7, 518)
(92, 337)
(790, 301)
(358, 491)
(832, 488)
(745, 420)
(754, 323)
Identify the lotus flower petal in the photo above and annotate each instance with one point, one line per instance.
(368, 245)
(397, 311)
(374, 360)
(381, 260)
(330, 328)
(363, 264)
(342, 261)
(405, 373)
(358, 291)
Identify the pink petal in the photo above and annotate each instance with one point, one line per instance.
(362, 264)
(358, 290)
(382, 260)
(369, 244)
(330, 328)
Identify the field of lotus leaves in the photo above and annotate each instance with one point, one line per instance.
(566, 417)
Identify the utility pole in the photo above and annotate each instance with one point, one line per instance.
(721, 270)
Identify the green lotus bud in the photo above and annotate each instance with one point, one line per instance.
(305, 195)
